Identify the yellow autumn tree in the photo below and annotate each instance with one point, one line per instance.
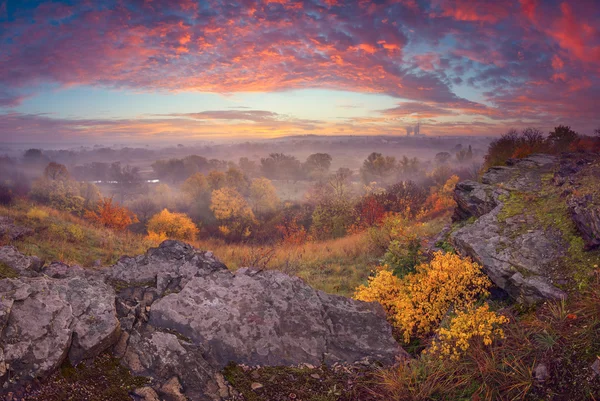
(233, 213)
(167, 224)
(263, 196)
(418, 302)
(195, 187)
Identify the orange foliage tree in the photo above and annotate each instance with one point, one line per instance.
(112, 215)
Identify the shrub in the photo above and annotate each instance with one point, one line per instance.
(515, 145)
(172, 225)
(473, 323)
(37, 214)
(419, 301)
(112, 215)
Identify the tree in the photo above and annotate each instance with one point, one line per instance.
(233, 212)
(263, 196)
(127, 180)
(35, 157)
(249, 167)
(317, 164)
(144, 208)
(216, 180)
(90, 194)
(56, 171)
(112, 215)
(377, 167)
(61, 195)
(442, 157)
(562, 137)
(235, 178)
(195, 187)
(279, 166)
(172, 225)
(465, 155)
(340, 182)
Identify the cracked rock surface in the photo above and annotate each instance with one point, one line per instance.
(519, 254)
(178, 316)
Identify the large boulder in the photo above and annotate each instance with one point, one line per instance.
(523, 247)
(187, 316)
(44, 320)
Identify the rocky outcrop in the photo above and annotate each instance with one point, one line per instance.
(520, 250)
(45, 320)
(20, 264)
(178, 316)
(473, 200)
(586, 215)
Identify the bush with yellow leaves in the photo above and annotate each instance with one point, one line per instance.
(171, 225)
(473, 323)
(418, 302)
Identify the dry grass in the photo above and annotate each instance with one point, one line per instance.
(61, 236)
(335, 266)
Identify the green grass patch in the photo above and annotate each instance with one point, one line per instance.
(7, 272)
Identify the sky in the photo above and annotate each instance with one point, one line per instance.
(165, 70)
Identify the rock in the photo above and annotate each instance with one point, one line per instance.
(62, 270)
(473, 200)
(44, 320)
(28, 266)
(161, 355)
(256, 386)
(12, 231)
(178, 317)
(168, 267)
(540, 373)
(596, 367)
(586, 215)
(269, 318)
(146, 394)
(171, 390)
(518, 255)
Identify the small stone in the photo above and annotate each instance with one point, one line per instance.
(541, 373)
(596, 367)
(255, 386)
(315, 376)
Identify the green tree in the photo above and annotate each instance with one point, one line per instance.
(562, 137)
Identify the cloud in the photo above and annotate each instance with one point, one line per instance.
(522, 59)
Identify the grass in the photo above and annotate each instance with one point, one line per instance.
(564, 336)
(103, 379)
(61, 236)
(7, 272)
(304, 383)
(335, 266)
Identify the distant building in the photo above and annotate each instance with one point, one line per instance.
(414, 130)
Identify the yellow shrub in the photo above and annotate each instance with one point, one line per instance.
(384, 288)
(37, 214)
(418, 302)
(172, 225)
(473, 323)
(156, 238)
